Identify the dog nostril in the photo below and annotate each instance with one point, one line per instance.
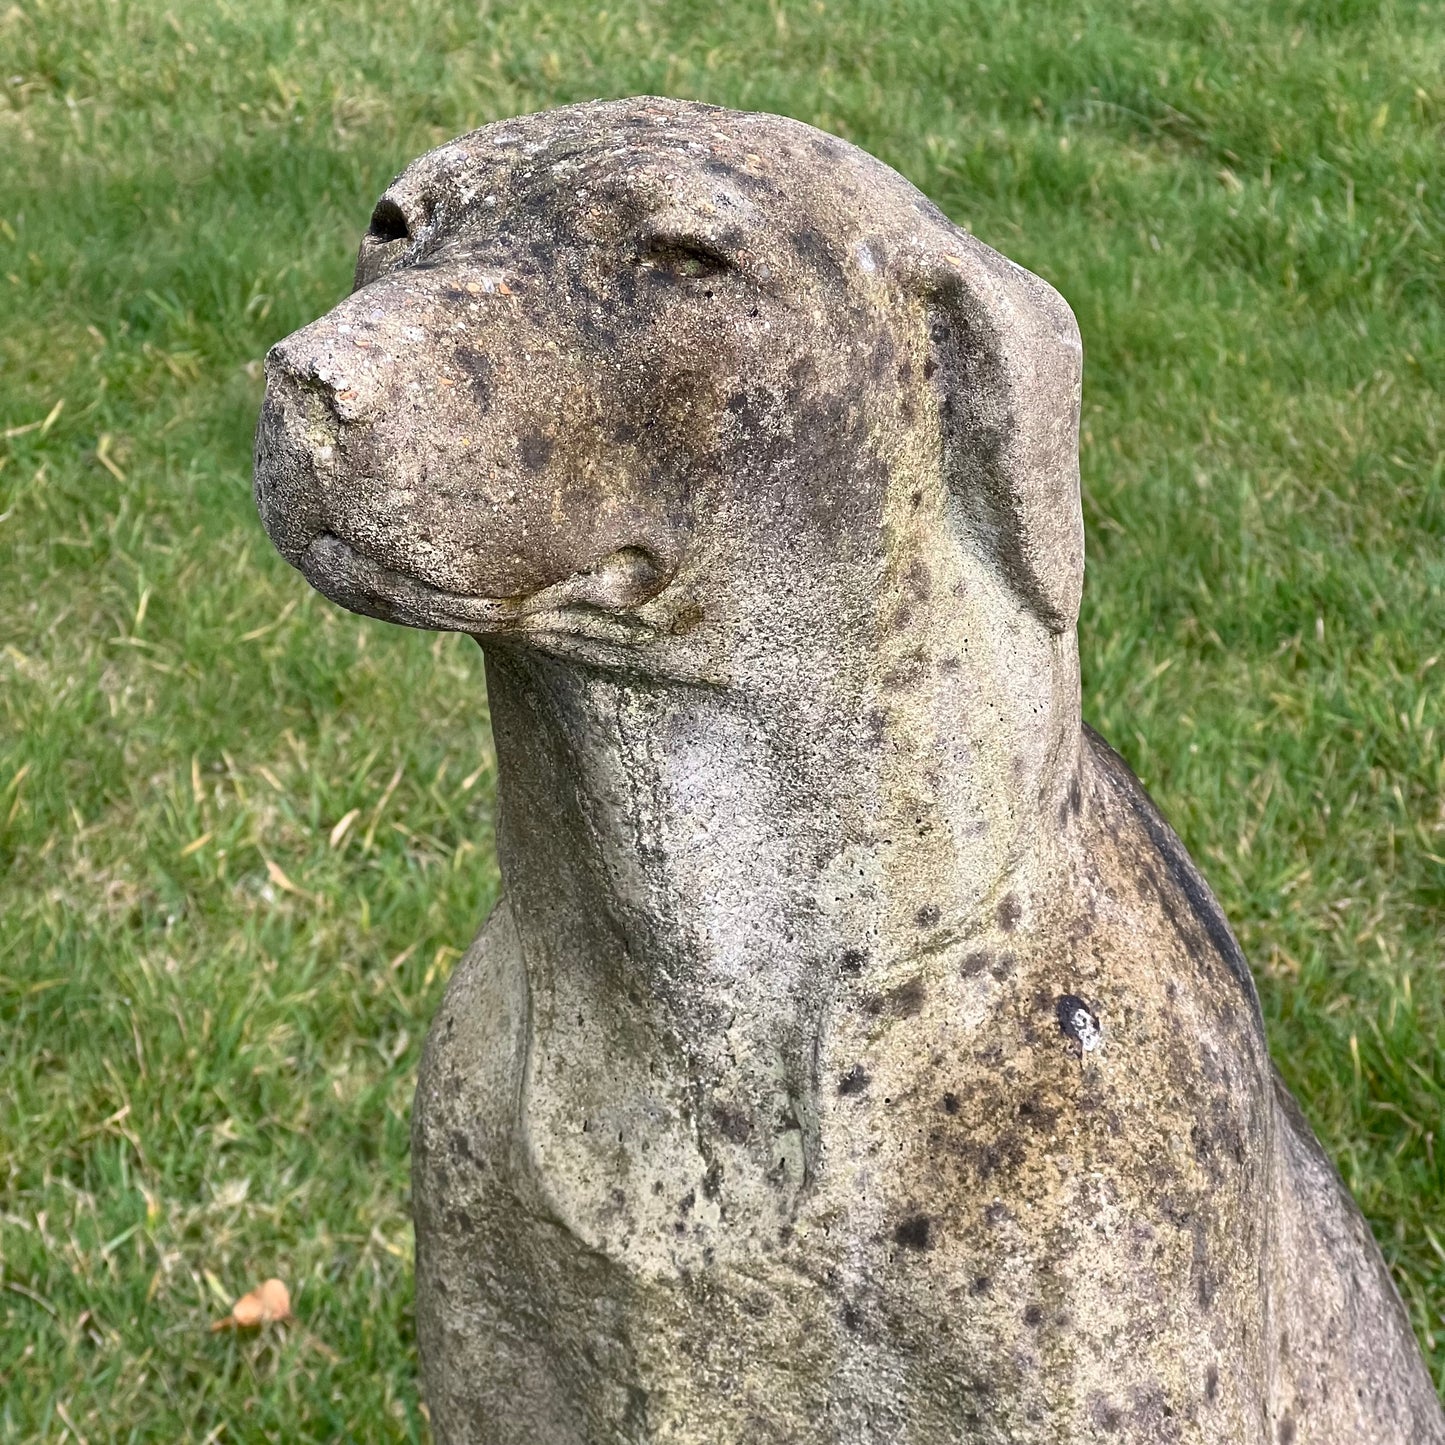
(388, 222)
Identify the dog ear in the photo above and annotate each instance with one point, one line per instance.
(1005, 356)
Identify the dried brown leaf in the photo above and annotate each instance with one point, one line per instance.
(268, 1305)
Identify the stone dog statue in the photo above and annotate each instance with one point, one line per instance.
(855, 1055)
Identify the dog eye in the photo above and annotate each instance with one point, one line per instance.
(676, 256)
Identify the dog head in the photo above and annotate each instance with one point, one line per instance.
(624, 378)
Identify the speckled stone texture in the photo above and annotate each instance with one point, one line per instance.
(856, 1055)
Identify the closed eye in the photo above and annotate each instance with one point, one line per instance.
(683, 256)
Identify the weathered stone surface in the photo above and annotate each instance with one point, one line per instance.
(856, 1056)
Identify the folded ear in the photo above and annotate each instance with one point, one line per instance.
(1006, 358)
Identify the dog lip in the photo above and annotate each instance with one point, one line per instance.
(347, 575)
(336, 567)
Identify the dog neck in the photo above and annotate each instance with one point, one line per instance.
(694, 870)
(700, 874)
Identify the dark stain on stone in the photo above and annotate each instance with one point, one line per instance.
(688, 619)
(1286, 1429)
(855, 1081)
(851, 960)
(974, 964)
(1038, 1115)
(928, 916)
(902, 1002)
(478, 368)
(981, 1285)
(1033, 1316)
(1211, 1384)
(634, 1416)
(1202, 1147)
(1009, 913)
(813, 251)
(1008, 1151)
(950, 1103)
(1175, 1212)
(712, 1180)
(881, 360)
(1105, 1414)
(914, 1231)
(1205, 1285)
(920, 583)
(733, 1124)
(535, 450)
(852, 1320)
(912, 670)
(1151, 1415)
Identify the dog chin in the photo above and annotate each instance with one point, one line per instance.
(335, 568)
(350, 578)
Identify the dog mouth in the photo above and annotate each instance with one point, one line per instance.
(348, 577)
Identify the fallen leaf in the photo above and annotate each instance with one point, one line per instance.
(268, 1305)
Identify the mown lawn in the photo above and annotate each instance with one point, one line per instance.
(243, 835)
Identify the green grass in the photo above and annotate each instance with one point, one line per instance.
(210, 1013)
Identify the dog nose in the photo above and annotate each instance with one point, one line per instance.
(294, 437)
(320, 364)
